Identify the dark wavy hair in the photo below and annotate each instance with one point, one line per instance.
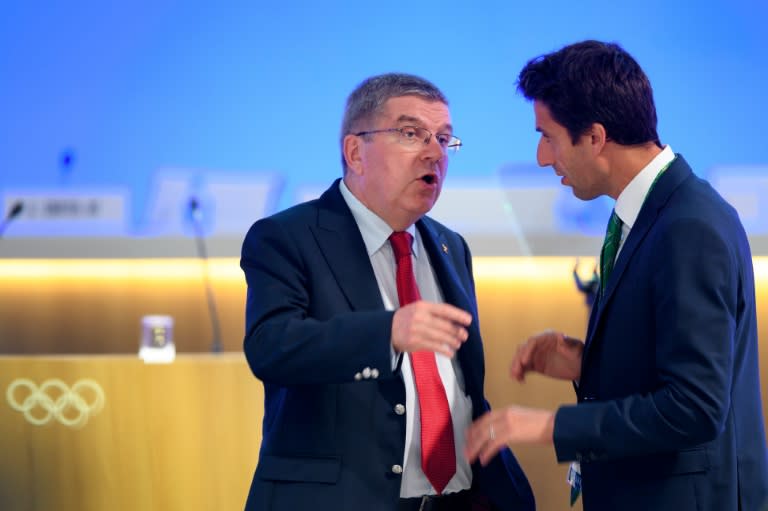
(593, 81)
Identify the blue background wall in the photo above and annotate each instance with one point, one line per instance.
(106, 93)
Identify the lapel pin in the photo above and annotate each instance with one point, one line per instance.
(445, 248)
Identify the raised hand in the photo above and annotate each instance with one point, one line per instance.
(427, 326)
(550, 353)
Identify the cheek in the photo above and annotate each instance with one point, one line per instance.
(564, 158)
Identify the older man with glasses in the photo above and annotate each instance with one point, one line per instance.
(361, 321)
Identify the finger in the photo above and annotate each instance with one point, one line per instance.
(494, 438)
(484, 440)
(571, 344)
(446, 327)
(433, 334)
(521, 361)
(474, 438)
(446, 350)
(516, 371)
(446, 347)
(490, 449)
(451, 313)
(426, 316)
(564, 347)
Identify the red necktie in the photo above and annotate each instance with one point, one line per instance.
(438, 453)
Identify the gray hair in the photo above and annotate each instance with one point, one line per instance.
(366, 102)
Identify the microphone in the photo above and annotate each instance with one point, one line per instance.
(66, 164)
(197, 223)
(15, 211)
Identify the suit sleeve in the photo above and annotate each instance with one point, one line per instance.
(299, 328)
(694, 288)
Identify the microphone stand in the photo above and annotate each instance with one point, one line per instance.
(15, 211)
(202, 252)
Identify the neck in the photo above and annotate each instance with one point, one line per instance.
(398, 222)
(626, 162)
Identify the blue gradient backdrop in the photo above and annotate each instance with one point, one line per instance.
(106, 93)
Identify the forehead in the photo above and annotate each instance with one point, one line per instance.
(417, 109)
(544, 118)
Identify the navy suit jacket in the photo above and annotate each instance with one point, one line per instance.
(318, 337)
(669, 410)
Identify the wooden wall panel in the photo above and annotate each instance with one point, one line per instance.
(94, 307)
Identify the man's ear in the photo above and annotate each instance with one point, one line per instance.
(597, 137)
(352, 148)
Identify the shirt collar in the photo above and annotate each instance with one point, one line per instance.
(632, 197)
(374, 229)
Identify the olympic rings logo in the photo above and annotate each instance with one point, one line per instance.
(56, 400)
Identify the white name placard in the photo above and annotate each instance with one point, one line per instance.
(67, 212)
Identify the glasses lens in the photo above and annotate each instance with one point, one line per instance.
(412, 134)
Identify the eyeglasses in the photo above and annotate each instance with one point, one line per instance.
(409, 135)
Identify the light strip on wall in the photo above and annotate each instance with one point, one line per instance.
(117, 269)
(227, 268)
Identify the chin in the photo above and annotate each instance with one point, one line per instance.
(422, 209)
(585, 196)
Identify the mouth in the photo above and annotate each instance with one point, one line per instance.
(429, 178)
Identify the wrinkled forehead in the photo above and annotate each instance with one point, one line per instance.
(417, 111)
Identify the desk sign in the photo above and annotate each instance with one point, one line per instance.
(68, 212)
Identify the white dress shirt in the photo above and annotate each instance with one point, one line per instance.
(631, 199)
(376, 232)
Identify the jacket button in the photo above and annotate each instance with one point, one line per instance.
(374, 373)
(367, 373)
(399, 409)
(358, 376)
(397, 469)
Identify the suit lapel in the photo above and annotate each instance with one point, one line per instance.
(341, 244)
(657, 198)
(445, 258)
(440, 256)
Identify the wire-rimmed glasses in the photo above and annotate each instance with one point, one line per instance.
(409, 135)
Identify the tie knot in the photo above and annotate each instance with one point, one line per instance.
(401, 243)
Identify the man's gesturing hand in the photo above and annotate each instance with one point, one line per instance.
(427, 326)
(550, 353)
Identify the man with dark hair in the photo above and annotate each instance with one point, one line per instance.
(669, 411)
(361, 321)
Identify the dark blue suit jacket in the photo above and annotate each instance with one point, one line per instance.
(669, 414)
(315, 323)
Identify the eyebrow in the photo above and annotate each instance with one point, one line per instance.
(409, 118)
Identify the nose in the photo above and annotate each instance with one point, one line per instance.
(543, 154)
(432, 149)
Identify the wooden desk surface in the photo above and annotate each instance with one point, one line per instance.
(181, 436)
